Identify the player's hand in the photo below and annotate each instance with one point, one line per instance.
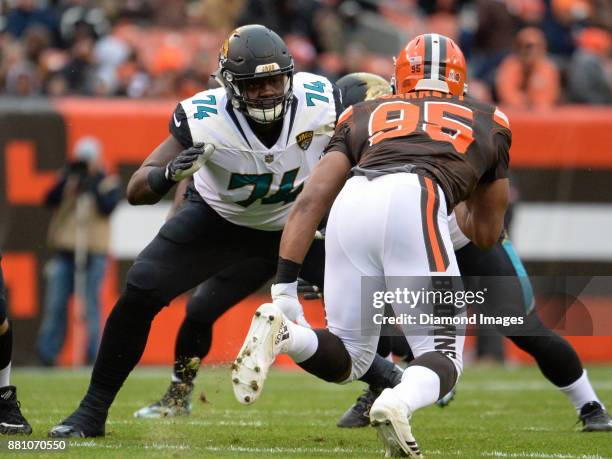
(189, 161)
(308, 290)
(285, 297)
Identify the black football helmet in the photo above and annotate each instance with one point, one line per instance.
(360, 86)
(253, 52)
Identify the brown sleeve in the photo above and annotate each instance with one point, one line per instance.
(340, 142)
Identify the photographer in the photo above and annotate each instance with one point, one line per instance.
(82, 200)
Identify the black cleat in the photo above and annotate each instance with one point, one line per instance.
(80, 424)
(358, 415)
(12, 421)
(595, 418)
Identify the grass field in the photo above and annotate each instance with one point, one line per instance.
(497, 413)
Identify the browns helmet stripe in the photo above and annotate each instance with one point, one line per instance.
(427, 71)
(435, 56)
(443, 44)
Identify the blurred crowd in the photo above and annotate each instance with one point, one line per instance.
(522, 53)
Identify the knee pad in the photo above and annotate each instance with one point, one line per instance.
(443, 366)
(140, 302)
(331, 361)
(145, 277)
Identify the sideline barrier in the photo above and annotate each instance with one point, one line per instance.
(569, 146)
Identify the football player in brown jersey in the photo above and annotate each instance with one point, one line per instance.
(555, 356)
(412, 158)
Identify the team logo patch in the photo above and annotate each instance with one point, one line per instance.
(304, 139)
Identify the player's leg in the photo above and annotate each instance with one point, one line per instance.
(418, 248)
(59, 274)
(96, 265)
(554, 355)
(190, 247)
(210, 300)
(11, 420)
(323, 352)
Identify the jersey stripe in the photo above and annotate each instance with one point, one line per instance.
(434, 245)
(345, 115)
(500, 118)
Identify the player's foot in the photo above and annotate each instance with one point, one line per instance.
(358, 415)
(175, 402)
(268, 336)
(595, 418)
(12, 421)
(82, 423)
(445, 401)
(390, 418)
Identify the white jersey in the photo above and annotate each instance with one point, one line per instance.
(245, 182)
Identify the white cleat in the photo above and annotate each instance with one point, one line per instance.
(392, 422)
(267, 337)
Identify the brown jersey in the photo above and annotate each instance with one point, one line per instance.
(456, 141)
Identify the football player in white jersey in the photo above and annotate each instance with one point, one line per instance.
(250, 146)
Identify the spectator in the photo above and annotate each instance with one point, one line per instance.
(487, 32)
(527, 77)
(587, 79)
(83, 199)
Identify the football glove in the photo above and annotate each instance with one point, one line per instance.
(285, 297)
(189, 161)
(308, 290)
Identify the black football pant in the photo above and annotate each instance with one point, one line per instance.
(6, 339)
(189, 248)
(501, 265)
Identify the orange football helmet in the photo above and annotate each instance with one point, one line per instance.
(430, 61)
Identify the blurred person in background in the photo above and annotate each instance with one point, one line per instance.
(83, 199)
(487, 29)
(528, 78)
(589, 77)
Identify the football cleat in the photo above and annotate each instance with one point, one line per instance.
(391, 420)
(594, 418)
(83, 423)
(175, 402)
(12, 421)
(445, 401)
(267, 337)
(358, 415)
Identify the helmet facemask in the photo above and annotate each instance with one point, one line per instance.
(263, 110)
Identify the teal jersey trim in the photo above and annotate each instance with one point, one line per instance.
(521, 273)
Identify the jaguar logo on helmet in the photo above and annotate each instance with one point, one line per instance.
(224, 51)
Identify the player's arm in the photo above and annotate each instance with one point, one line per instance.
(176, 158)
(481, 216)
(314, 201)
(139, 190)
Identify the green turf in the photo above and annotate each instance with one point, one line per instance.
(497, 413)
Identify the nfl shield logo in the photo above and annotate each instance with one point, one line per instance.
(269, 158)
(304, 139)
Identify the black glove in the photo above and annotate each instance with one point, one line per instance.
(310, 292)
(189, 161)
